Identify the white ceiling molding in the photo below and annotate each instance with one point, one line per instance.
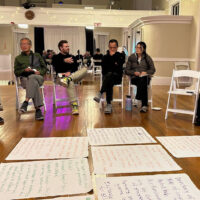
(73, 17)
(163, 19)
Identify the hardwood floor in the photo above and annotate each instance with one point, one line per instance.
(61, 123)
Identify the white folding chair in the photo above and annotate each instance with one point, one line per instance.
(96, 68)
(55, 85)
(132, 91)
(18, 86)
(183, 81)
(121, 93)
(184, 92)
(80, 63)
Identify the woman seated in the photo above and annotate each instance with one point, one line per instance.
(140, 68)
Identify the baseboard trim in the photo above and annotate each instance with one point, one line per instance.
(161, 80)
(173, 59)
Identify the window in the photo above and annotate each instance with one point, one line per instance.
(175, 9)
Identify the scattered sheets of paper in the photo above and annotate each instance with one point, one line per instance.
(182, 146)
(74, 198)
(127, 159)
(50, 148)
(125, 135)
(44, 178)
(149, 187)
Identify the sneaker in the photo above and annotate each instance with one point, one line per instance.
(144, 109)
(137, 103)
(66, 80)
(1, 120)
(39, 115)
(24, 106)
(75, 108)
(98, 97)
(108, 109)
(1, 107)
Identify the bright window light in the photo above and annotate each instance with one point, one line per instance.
(25, 26)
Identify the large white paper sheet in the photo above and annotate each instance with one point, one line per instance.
(90, 197)
(44, 178)
(127, 159)
(182, 146)
(125, 135)
(149, 187)
(50, 148)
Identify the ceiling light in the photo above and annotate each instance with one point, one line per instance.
(24, 26)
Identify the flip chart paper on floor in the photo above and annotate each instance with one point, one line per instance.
(44, 178)
(50, 148)
(182, 146)
(127, 159)
(91, 197)
(149, 187)
(125, 135)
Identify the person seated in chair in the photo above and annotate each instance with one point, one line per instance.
(66, 64)
(87, 59)
(140, 68)
(112, 71)
(31, 68)
(98, 56)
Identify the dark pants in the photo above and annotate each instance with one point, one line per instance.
(109, 80)
(142, 88)
(198, 109)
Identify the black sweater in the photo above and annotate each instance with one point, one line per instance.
(113, 64)
(61, 67)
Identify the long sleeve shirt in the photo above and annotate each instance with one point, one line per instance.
(33, 60)
(113, 63)
(61, 66)
(145, 65)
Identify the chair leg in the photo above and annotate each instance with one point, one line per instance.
(195, 109)
(168, 101)
(17, 99)
(54, 95)
(45, 108)
(174, 103)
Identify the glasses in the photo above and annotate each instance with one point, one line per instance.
(112, 47)
(24, 44)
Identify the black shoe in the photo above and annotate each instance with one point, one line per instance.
(24, 106)
(197, 122)
(39, 115)
(1, 120)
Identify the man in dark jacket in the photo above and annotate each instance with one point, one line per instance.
(30, 67)
(112, 71)
(67, 65)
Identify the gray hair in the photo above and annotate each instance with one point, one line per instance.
(25, 38)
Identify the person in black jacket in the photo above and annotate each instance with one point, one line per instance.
(66, 64)
(112, 71)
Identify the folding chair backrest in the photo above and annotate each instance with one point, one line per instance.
(181, 66)
(99, 61)
(195, 75)
(185, 73)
